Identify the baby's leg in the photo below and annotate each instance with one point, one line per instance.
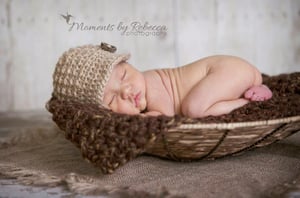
(224, 107)
(221, 90)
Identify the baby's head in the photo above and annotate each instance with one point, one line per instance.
(95, 74)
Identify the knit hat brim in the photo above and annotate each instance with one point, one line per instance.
(82, 73)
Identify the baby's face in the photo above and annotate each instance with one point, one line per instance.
(125, 90)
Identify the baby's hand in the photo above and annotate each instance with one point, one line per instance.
(151, 113)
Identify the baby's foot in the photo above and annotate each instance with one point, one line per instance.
(258, 93)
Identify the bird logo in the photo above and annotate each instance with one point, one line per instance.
(67, 17)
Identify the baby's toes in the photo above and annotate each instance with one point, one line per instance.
(269, 95)
(249, 94)
(266, 92)
(261, 99)
(255, 97)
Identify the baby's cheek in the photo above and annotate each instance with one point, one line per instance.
(126, 109)
(122, 108)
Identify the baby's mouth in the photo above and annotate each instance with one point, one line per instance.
(137, 99)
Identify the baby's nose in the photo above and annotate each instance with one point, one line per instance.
(126, 91)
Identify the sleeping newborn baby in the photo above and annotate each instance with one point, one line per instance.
(211, 86)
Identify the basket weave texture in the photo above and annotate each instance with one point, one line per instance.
(109, 140)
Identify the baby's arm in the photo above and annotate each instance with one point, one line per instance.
(220, 91)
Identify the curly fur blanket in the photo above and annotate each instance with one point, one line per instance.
(35, 152)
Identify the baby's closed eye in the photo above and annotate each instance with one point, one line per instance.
(112, 99)
(124, 75)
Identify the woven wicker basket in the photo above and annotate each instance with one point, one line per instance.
(190, 140)
(109, 140)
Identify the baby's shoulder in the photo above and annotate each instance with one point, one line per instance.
(151, 76)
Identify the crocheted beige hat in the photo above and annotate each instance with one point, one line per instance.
(82, 73)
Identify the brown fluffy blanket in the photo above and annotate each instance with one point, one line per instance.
(109, 140)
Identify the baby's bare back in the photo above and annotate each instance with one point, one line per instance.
(167, 88)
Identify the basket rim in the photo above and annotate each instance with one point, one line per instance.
(234, 125)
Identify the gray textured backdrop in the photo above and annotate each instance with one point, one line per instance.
(33, 35)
